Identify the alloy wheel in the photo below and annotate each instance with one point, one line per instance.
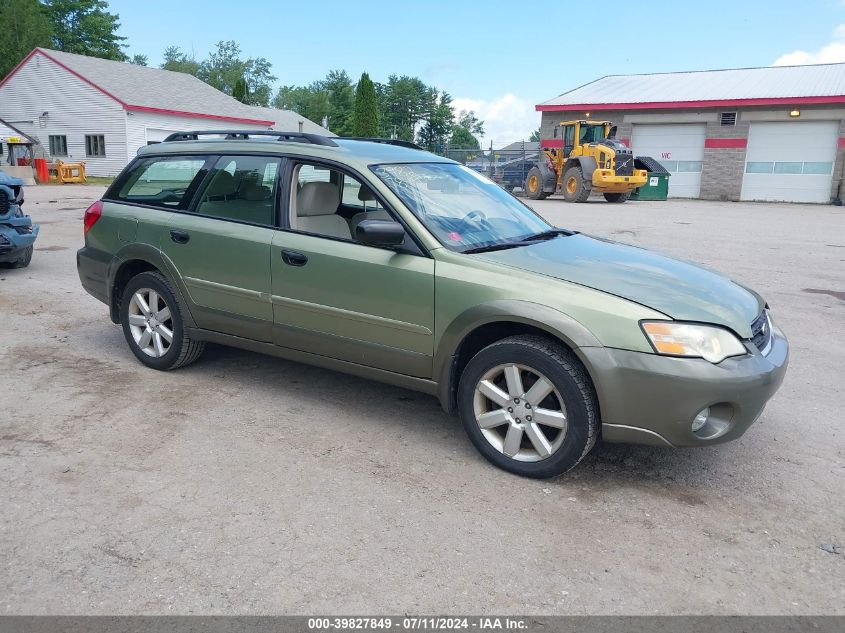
(520, 412)
(150, 322)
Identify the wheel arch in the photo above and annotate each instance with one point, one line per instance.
(134, 259)
(587, 164)
(486, 323)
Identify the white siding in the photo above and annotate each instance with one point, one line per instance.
(142, 127)
(74, 109)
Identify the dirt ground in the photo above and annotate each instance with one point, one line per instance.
(247, 484)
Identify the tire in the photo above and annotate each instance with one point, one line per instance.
(534, 184)
(181, 350)
(535, 358)
(24, 260)
(617, 198)
(575, 186)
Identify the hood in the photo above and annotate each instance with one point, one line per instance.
(678, 289)
(10, 181)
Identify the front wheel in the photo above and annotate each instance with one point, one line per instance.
(575, 186)
(534, 184)
(618, 198)
(25, 258)
(528, 406)
(153, 326)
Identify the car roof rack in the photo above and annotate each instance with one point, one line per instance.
(386, 141)
(242, 135)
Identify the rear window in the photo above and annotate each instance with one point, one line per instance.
(160, 181)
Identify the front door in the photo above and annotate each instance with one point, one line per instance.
(221, 248)
(339, 298)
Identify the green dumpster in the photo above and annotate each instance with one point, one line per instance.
(657, 185)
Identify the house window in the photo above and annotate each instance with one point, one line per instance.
(58, 145)
(95, 145)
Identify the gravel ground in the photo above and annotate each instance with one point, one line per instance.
(247, 484)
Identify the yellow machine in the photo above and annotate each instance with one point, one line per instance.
(591, 159)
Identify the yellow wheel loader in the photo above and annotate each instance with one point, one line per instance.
(590, 159)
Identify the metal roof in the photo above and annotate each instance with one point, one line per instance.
(821, 83)
(167, 92)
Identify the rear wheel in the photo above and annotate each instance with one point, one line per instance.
(534, 184)
(617, 197)
(575, 186)
(528, 406)
(153, 326)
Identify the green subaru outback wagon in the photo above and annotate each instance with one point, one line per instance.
(377, 259)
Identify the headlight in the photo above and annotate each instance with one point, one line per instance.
(671, 338)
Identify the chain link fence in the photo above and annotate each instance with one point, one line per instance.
(505, 163)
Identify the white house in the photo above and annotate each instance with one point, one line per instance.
(101, 111)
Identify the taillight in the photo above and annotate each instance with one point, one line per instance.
(92, 214)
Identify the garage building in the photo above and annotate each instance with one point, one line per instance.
(100, 111)
(774, 133)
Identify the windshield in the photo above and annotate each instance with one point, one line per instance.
(463, 209)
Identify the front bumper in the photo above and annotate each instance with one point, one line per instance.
(652, 399)
(606, 179)
(12, 243)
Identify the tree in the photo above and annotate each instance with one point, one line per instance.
(224, 67)
(139, 60)
(86, 28)
(535, 136)
(241, 92)
(439, 119)
(365, 116)
(402, 103)
(178, 61)
(470, 122)
(341, 98)
(310, 101)
(24, 25)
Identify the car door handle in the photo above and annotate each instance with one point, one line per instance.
(179, 236)
(294, 258)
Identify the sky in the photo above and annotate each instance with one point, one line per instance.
(499, 58)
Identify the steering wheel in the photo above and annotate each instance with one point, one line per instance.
(474, 216)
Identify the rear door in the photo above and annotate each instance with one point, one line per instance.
(221, 246)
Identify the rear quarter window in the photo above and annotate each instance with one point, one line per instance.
(160, 181)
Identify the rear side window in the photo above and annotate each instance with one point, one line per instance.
(241, 188)
(162, 181)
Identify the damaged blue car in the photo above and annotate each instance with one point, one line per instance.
(17, 232)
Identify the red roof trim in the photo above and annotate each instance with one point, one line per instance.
(670, 105)
(725, 143)
(127, 106)
(198, 115)
(841, 143)
(551, 142)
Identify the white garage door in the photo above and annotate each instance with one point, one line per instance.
(790, 161)
(679, 148)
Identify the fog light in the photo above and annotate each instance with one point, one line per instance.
(700, 420)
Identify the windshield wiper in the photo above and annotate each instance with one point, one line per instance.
(547, 235)
(494, 247)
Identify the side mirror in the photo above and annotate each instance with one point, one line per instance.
(380, 233)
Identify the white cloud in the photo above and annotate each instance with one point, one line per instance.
(506, 119)
(829, 54)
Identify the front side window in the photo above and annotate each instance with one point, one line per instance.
(241, 188)
(161, 181)
(95, 145)
(463, 209)
(58, 145)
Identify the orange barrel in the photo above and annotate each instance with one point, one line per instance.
(41, 171)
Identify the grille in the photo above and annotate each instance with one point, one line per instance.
(761, 331)
(624, 164)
